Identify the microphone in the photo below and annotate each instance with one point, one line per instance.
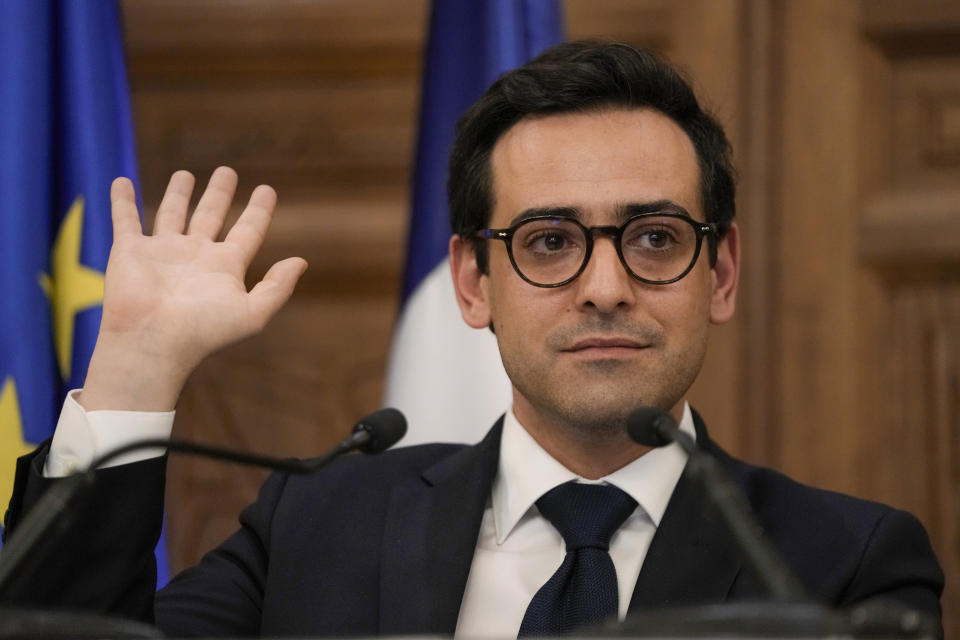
(655, 428)
(53, 514)
(372, 434)
(380, 430)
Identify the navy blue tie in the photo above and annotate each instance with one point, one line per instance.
(584, 588)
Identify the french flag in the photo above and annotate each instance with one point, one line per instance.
(444, 376)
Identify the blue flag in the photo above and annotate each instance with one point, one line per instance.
(446, 377)
(65, 133)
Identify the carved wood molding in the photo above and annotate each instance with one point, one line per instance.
(919, 377)
(647, 23)
(940, 137)
(918, 27)
(913, 235)
(200, 40)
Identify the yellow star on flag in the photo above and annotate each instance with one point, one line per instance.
(12, 445)
(73, 288)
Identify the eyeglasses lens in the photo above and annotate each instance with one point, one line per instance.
(549, 251)
(658, 248)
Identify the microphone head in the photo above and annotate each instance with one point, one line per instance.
(384, 429)
(650, 426)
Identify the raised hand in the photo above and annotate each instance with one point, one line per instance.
(173, 298)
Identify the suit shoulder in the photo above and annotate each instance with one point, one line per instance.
(844, 547)
(400, 459)
(783, 501)
(388, 468)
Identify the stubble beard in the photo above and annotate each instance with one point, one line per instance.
(592, 401)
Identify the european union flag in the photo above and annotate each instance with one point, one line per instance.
(65, 133)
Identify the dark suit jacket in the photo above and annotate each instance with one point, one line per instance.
(383, 545)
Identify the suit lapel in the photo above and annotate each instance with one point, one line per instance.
(432, 525)
(691, 558)
(430, 536)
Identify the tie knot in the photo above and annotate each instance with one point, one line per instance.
(586, 515)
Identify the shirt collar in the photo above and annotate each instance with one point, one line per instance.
(526, 472)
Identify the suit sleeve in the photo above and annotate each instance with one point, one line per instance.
(898, 563)
(223, 594)
(104, 561)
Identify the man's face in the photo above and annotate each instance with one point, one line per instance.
(584, 355)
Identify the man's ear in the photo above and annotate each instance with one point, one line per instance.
(469, 283)
(725, 276)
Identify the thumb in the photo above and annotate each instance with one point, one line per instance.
(275, 289)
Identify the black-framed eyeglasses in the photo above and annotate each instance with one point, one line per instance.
(551, 251)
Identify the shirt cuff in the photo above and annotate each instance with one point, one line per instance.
(82, 436)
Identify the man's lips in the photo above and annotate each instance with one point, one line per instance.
(611, 345)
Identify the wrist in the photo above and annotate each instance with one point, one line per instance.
(122, 378)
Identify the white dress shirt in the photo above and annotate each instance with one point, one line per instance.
(82, 436)
(517, 549)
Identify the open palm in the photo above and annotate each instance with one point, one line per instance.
(172, 298)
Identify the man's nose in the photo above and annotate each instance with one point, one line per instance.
(605, 283)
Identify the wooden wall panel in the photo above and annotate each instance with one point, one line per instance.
(845, 122)
(910, 243)
(913, 458)
(707, 43)
(648, 23)
(818, 237)
(759, 367)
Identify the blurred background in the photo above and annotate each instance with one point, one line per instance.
(842, 366)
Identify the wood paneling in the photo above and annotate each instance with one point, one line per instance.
(846, 130)
(909, 222)
(818, 297)
(916, 426)
(913, 234)
(705, 42)
(646, 23)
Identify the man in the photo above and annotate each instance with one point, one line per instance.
(592, 203)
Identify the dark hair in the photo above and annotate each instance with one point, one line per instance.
(583, 76)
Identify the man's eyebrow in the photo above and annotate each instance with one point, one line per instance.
(554, 212)
(631, 209)
(624, 211)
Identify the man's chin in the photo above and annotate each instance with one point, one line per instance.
(600, 414)
(607, 366)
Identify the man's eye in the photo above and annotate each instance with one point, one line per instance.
(554, 242)
(548, 242)
(656, 239)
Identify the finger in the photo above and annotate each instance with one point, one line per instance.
(275, 289)
(248, 232)
(208, 217)
(123, 208)
(172, 212)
